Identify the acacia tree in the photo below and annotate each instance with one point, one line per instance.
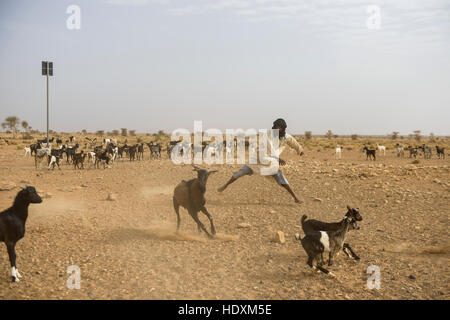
(432, 137)
(25, 125)
(329, 134)
(417, 135)
(394, 135)
(11, 122)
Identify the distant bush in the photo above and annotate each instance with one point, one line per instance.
(417, 161)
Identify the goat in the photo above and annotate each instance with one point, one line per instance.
(12, 224)
(42, 141)
(381, 148)
(338, 152)
(312, 225)
(27, 151)
(41, 154)
(91, 156)
(413, 151)
(70, 151)
(52, 160)
(132, 152)
(102, 156)
(191, 195)
(91, 141)
(155, 150)
(78, 160)
(426, 151)
(316, 243)
(439, 152)
(370, 153)
(140, 151)
(400, 150)
(34, 147)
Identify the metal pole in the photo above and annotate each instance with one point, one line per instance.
(47, 101)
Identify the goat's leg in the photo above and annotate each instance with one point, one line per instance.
(194, 215)
(15, 275)
(176, 206)
(346, 247)
(330, 258)
(325, 271)
(213, 229)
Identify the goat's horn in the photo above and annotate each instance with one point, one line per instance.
(349, 208)
(23, 188)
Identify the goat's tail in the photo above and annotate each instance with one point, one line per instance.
(304, 217)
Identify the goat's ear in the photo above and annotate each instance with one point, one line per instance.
(212, 171)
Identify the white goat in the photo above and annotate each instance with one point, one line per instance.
(381, 148)
(27, 151)
(338, 152)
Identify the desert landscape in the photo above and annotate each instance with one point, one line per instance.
(118, 226)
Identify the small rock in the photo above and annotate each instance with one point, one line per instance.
(6, 188)
(112, 197)
(279, 237)
(84, 185)
(412, 277)
(244, 225)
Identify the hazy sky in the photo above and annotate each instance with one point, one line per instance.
(161, 64)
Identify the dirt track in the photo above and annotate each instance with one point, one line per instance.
(127, 249)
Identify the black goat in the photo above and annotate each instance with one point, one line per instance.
(78, 160)
(439, 152)
(132, 152)
(140, 151)
(70, 151)
(313, 225)
(370, 153)
(12, 224)
(316, 243)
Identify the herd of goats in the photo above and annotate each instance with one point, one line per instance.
(104, 154)
(414, 152)
(109, 151)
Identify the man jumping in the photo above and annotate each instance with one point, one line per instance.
(284, 139)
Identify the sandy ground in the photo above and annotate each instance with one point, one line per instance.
(128, 248)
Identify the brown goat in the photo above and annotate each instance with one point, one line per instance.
(191, 196)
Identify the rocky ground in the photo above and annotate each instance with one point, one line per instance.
(126, 246)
